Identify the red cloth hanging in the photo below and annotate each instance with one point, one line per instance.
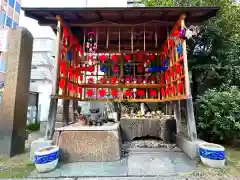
(62, 67)
(172, 72)
(176, 33)
(72, 39)
(81, 77)
(163, 92)
(162, 80)
(180, 87)
(76, 75)
(165, 50)
(153, 92)
(178, 69)
(65, 36)
(173, 90)
(75, 88)
(80, 90)
(70, 86)
(70, 73)
(140, 68)
(62, 83)
(102, 92)
(167, 91)
(167, 76)
(170, 42)
(90, 92)
(114, 92)
(128, 93)
(140, 56)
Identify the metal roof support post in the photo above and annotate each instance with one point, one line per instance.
(191, 124)
(50, 126)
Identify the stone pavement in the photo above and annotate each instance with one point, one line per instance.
(151, 164)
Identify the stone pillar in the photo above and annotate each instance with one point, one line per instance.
(13, 111)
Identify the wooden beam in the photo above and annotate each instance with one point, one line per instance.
(175, 98)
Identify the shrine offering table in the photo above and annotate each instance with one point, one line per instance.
(164, 128)
(89, 143)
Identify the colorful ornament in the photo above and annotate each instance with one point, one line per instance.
(70, 86)
(178, 69)
(80, 90)
(127, 58)
(180, 87)
(102, 80)
(152, 57)
(75, 88)
(104, 68)
(163, 92)
(170, 42)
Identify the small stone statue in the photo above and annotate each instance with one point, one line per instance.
(81, 118)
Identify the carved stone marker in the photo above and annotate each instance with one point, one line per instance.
(13, 110)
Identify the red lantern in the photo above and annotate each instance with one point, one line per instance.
(102, 58)
(153, 92)
(102, 92)
(90, 92)
(114, 92)
(62, 83)
(128, 93)
(70, 86)
(163, 92)
(140, 92)
(115, 58)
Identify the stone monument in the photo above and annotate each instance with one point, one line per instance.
(13, 110)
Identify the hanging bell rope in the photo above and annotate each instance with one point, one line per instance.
(119, 40)
(84, 40)
(156, 38)
(144, 39)
(132, 40)
(107, 42)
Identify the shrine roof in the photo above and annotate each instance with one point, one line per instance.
(127, 15)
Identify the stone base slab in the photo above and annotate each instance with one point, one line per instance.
(190, 148)
(89, 145)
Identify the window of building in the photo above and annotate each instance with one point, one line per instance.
(16, 17)
(11, 3)
(18, 7)
(9, 22)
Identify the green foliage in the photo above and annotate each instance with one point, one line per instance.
(219, 114)
(33, 127)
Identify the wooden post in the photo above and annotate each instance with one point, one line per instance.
(192, 132)
(65, 115)
(177, 114)
(50, 127)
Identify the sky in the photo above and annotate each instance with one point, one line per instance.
(43, 31)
